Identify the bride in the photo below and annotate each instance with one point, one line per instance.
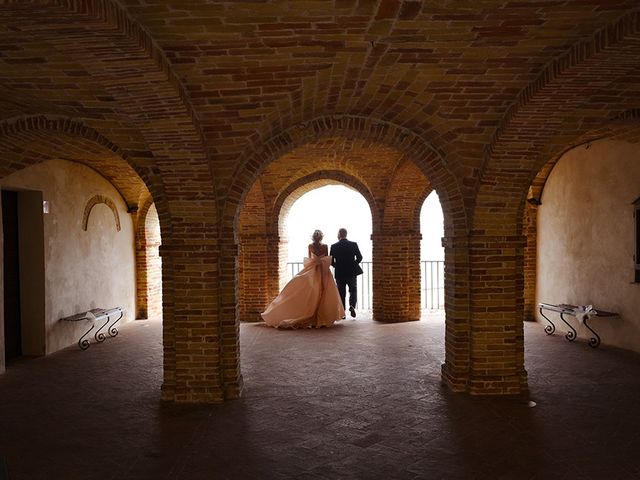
(311, 298)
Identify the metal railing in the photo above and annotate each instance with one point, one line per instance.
(431, 291)
(432, 287)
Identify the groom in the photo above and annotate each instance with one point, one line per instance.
(346, 258)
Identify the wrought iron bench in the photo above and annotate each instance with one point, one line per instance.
(97, 315)
(582, 312)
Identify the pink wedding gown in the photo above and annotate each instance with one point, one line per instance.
(310, 299)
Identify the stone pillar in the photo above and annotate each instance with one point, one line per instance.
(456, 367)
(229, 324)
(497, 336)
(192, 329)
(396, 277)
(530, 231)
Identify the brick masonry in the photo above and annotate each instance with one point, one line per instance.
(222, 114)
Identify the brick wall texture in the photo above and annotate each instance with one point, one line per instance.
(221, 114)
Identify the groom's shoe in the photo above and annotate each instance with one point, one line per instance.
(352, 311)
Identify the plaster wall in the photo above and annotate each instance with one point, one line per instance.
(83, 269)
(586, 238)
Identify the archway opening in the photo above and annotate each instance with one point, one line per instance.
(77, 270)
(153, 264)
(327, 208)
(583, 229)
(432, 255)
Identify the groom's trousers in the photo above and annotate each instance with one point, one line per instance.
(352, 283)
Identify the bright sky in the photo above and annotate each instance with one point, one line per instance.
(334, 206)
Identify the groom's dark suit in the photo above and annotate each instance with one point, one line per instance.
(346, 258)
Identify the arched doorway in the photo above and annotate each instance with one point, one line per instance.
(149, 271)
(432, 255)
(585, 237)
(327, 208)
(263, 238)
(77, 252)
(345, 147)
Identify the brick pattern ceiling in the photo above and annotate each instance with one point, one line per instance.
(243, 72)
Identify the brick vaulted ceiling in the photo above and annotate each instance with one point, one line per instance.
(232, 75)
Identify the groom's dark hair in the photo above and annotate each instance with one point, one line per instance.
(342, 233)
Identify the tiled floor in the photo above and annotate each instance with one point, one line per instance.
(362, 400)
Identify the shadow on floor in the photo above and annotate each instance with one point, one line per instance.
(361, 400)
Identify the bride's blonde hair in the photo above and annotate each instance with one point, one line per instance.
(317, 236)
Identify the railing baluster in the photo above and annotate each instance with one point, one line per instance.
(431, 292)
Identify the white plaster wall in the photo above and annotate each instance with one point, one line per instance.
(586, 238)
(83, 269)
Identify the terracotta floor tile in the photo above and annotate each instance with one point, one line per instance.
(361, 400)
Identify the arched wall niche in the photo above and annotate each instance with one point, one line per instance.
(96, 200)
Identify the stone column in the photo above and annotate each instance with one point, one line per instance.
(396, 277)
(191, 324)
(228, 315)
(496, 335)
(456, 367)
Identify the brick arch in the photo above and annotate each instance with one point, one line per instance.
(563, 102)
(433, 165)
(262, 249)
(96, 200)
(396, 268)
(430, 161)
(306, 184)
(315, 180)
(544, 113)
(28, 140)
(407, 192)
(624, 126)
(140, 105)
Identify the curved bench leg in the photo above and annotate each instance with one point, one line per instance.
(571, 334)
(83, 343)
(113, 331)
(595, 340)
(100, 337)
(549, 329)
